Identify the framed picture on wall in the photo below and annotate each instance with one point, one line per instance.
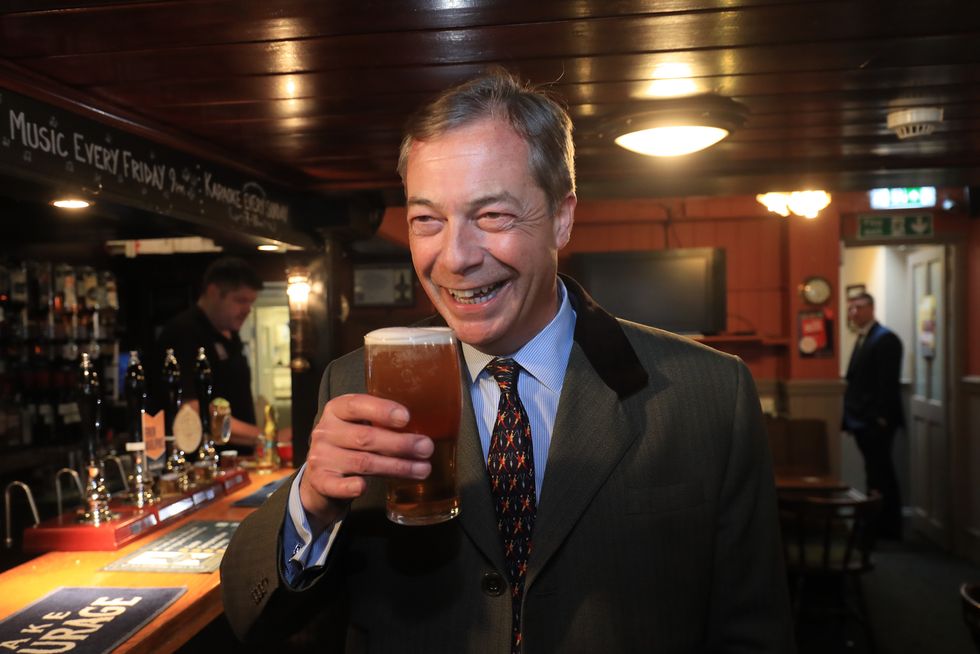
(853, 290)
(384, 285)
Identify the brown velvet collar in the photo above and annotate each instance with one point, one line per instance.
(604, 343)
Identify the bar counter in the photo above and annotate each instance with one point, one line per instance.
(175, 625)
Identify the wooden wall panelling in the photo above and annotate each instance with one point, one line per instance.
(823, 399)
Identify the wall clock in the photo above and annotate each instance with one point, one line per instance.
(815, 290)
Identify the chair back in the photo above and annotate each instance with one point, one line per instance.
(970, 599)
(829, 534)
(798, 446)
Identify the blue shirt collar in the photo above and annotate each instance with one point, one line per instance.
(538, 355)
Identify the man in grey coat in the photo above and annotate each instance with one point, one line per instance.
(652, 522)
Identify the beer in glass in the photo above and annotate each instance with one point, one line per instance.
(418, 367)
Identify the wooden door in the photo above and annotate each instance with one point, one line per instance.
(928, 430)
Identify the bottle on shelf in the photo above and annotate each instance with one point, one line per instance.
(266, 453)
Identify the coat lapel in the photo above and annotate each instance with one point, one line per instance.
(591, 434)
(581, 456)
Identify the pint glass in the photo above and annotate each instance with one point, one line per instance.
(418, 367)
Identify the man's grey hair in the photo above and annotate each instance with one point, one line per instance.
(533, 112)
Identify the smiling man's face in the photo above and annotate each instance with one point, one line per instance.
(483, 240)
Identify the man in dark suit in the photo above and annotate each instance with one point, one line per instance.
(651, 516)
(873, 406)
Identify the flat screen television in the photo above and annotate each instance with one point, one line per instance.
(681, 290)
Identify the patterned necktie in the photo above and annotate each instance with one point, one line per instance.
(510, 463)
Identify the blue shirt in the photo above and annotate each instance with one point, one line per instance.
(543, 361)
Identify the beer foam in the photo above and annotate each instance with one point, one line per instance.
(409, 336)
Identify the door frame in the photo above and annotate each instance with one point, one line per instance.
(958, 537)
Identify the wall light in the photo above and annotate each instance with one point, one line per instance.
(71, 203)
(802, 203)
(298, 289)
(679, 126)
(298, 293)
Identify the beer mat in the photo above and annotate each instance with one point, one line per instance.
(260, 496)
(195, 547)
(83, 620)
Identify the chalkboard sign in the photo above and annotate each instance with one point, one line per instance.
(50, 144)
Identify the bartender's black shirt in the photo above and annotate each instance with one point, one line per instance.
(185, 333)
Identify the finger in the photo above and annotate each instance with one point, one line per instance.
(368, 438)
(329, 461)
(335, 487)
(360, 407)
(374, 465)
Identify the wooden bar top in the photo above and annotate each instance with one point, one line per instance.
(174, 626)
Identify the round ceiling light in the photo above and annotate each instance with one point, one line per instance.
(676, 127)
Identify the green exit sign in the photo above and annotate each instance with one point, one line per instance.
(912, 197)
(883, 226)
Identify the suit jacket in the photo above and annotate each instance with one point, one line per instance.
(656, 528)
(873, 386)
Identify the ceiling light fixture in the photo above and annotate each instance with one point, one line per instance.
(802, 203)
(676, 127)
(71, 203)
(269, 247)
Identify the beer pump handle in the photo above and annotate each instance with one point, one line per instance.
(205, 390)
(90, 404)
(135, 397)
(173, 389)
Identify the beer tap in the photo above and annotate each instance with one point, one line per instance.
(96, 497)
(73, 475)
(9, 539)
(176, 463)
(207, 455)
(121, 469)
(141, 488)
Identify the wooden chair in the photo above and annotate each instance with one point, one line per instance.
(799, 446)
(830, 537)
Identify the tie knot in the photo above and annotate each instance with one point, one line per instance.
(505, 372)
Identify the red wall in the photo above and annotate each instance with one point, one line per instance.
(768, 257)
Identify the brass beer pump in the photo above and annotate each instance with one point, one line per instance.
(206, 465)
(96, 509)
(141, 481)
(175, 466)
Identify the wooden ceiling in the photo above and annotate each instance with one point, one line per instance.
(317, 91)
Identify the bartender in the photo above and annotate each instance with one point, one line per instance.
(228, 291)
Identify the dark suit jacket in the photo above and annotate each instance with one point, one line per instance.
(873, 386)
(656, 527)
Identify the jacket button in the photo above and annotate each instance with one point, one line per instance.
(493, 584)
